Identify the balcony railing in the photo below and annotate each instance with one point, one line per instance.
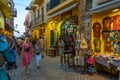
(53, 4)
(37, 20)
(103, 1)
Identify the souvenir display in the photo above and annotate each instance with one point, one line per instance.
(96, 29)
(97, 45)
(106, 45)
(116, 22)
(107, 23)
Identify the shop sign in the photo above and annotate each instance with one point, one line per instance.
(74, 21)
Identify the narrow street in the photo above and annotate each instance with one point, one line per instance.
(50, 71)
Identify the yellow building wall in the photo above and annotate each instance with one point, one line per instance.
(98, 18)
(35, 34)
(55, 24)
(75, 12)
(1, 21)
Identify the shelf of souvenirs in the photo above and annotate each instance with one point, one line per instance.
(108, 59)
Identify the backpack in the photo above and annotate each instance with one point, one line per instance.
(4, 75)
(3, 43)
(9, 55)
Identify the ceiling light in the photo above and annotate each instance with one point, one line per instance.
(115, 10)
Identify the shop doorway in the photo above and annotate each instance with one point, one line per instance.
(52, 38)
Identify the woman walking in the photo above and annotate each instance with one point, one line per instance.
(27, 52)
(38, 51)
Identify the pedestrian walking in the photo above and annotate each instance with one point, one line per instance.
(13, 51)
(27, 52)
(61, 45)
(38, 51)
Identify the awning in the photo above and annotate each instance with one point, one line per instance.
(107, 6)
(63, 10)
(6, 10)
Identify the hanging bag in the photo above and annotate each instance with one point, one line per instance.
(27, 49)
(3, 43)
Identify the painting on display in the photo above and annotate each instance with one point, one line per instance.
(107, 46)
(97, 45)
(107, 23)
(112, 35)
(105, 35)
(96, 29)
(116, 47)
(116, 22)
(118, 36)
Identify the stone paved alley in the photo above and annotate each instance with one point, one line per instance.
(50, 71)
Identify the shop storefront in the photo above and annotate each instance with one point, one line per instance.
(106, 39)
(66, 22)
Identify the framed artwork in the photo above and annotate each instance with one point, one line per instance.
(112, 35)
(97, 45)
(118, 36)
(107, 23)
(116, 22)
(105, 35)
(107, 47)
(96, 29)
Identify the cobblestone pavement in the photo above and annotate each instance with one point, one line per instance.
(50, 71)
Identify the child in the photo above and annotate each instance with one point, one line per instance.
(38, 52)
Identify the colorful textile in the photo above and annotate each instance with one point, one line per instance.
(4, 75)
(3, 43)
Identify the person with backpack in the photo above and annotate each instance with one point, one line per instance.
(27, 52)
(12, 51)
